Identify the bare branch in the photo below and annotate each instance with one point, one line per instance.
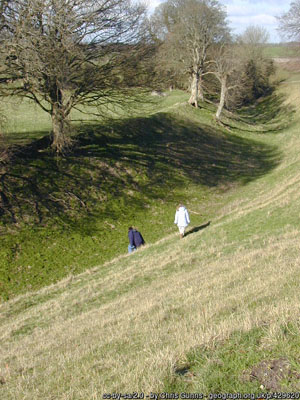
(67, 53)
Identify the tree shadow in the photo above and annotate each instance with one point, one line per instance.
(197, 229)
(134, 161)
(163, 144)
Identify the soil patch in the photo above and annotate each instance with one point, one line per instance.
(270, 373)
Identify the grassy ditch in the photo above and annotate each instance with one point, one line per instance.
(217, 311)
(62, 215)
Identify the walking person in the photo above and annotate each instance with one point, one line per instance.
(135, 239)
(182, 219)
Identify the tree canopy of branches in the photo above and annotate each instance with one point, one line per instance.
(241, 68)
(225, 66)
(256, 67)
(289, 22)
(66, 54)
(187, 29)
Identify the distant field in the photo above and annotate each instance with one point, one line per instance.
(281, 50)
(24, 121)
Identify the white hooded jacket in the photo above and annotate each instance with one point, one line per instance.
(182, 217)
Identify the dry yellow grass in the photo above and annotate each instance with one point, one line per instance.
(125, 326)
(131, 342)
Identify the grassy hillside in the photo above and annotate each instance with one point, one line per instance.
(215, 312)
(64, 215)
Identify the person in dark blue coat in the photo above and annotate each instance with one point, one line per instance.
(135, 239)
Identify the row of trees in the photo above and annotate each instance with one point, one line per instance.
(68, 54)
(187, 30)
(194, 42)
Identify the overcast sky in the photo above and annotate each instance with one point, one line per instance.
(242, 13)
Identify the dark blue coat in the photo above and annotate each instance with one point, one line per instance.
(135, 238)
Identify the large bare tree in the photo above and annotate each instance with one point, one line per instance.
(253, 41)
(241, 68)
(188, 28)
(225, 65)
(289, 22)
(66, 54)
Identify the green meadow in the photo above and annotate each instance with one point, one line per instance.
(281, 50)
(215, 312)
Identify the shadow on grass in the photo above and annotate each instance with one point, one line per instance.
(197, 229)
(125, 164)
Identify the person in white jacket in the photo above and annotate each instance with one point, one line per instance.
(182, 219)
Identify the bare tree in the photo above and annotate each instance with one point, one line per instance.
(255, 36)
(289, 22)
(188, 28)
(253, 41)
(225, 65)
(256, 67)
(241, 68)
(66, 54)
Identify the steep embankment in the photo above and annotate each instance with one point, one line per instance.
(216, 311)
(62, 215)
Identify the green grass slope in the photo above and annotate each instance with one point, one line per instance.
(60, 216)
(215, 312)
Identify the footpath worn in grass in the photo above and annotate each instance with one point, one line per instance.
(215, 312)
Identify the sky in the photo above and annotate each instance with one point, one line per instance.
(242, 13)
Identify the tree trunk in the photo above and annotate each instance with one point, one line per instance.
(194, 89)
(60, 128)
(222, 97)
(200, 88)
